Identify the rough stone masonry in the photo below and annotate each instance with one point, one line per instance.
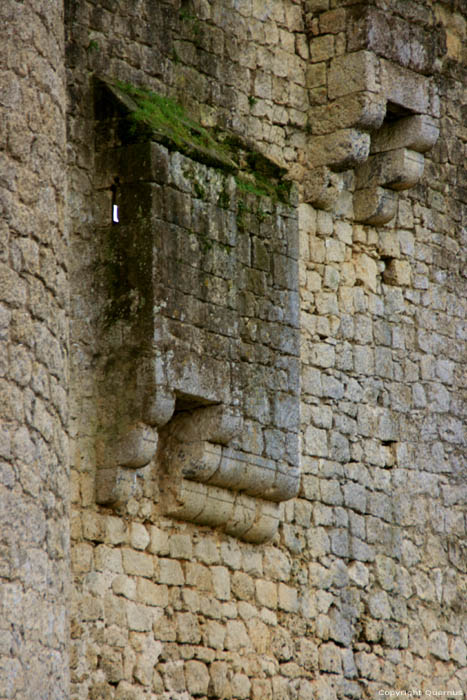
(232, 349)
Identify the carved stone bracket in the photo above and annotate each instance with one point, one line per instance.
(209, 483)
(379, 120)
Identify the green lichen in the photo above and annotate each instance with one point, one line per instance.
(224, 199)
(199, 190)
(93, 46)
(241, 209)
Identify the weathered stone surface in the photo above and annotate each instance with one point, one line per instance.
(340, 150)
(360, 320)
(353, 72)
(374, 205)
(405, 88)
(399, 169)
(417, 133)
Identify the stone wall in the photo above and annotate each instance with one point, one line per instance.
(358, 589)
(199, 339)
(34, 478)
(361, 590)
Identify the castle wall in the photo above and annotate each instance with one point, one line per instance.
(34, 478)
(362, 589)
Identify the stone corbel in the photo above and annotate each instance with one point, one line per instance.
(129, 443)
(379, 120)
(396, 163)
(207, 482)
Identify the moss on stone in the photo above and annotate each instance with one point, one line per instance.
(153, 116)
(165, 119)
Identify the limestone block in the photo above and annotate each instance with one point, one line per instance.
(159, 404)
(125, 586)
(138, 563)
(197, 460)
(288, 599)
(252, 474)
(220, 679)
(140, 618)
(439, 645)
(219, 424)
(388, 244)
(198, 576)
(361, 110)
(315, 75)
(188, 628)
(405, 88)
(374, 205)
(139, 536)
(366, 270)
(418, 133)
(114, 485)
(341, 150)
(321, 48)
(242, 586)
(398, 272)
(170, 572)
(190, 501)
(135, 448)
(266, 593)
(243, 517)
(236, 637)
(181, 547)
(378, 604)
(159, 541)
(240, 686)
(151, 594)
(323, 355)
(82, 558)
(197, 678)
(353, 72)
(174, 678)
(330, 659)
(221, 582)
(321, 187)
(358, 573)
(206, 550)
(108, 558)
(399, 170)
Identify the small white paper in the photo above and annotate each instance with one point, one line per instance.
(115, 213)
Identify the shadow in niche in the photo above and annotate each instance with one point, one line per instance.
(394, 112)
